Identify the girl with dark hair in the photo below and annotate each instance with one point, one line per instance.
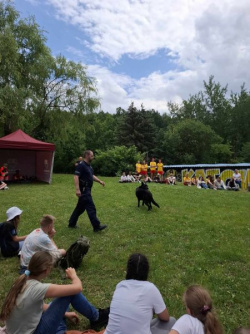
(10, 242)
(134, 302)
(200, 317)
(24, 310)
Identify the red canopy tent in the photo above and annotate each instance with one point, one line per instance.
(32, 157)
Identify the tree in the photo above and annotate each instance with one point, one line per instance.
(191, 142)
(115, 160)
(22, 51)
(136, 127)
(32, 82)
(68, 88)
(245, 152)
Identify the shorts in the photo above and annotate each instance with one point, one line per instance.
(160, 172)
(143, 172)
(152, 171)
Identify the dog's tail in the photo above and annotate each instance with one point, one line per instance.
(155, 203)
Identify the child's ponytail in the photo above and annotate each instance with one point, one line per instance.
(10, 300)
(212, 324)
(40, 262)
(199, 303)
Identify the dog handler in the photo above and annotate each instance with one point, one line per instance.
(83, 179)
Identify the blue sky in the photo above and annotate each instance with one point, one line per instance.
(149, 51)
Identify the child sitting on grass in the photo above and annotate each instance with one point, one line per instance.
(24, 310)
(10, 242)
(200, 317)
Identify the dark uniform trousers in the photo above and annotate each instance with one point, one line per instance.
(85, 202)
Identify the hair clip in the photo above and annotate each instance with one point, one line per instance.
(205, 309)
(27, 272)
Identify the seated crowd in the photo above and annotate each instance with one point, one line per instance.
(211, 183)
(134, 301)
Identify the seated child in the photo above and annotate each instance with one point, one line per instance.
(219, 184)
(123, 178)
(186, 180)
(172, 179)
(200, 317)
(201, 183)
(10, 243)
(130, 177)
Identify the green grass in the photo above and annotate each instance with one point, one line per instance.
(197, 236)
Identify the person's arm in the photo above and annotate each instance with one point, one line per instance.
(95, 178)
(173, 332)
(163, 316)
(74, 288)
(76, 182)
(17, 238)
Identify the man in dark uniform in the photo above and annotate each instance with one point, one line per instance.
(83, 179)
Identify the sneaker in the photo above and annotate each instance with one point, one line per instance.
(102, 320)
(100, 228)
(73, 226)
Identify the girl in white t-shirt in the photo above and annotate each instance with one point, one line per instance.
(200, 317)
(135, 300)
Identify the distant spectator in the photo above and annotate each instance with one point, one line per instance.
(237, 177)
(232, 185)
(130, 177)
(4, 173)
(147, 179)
(123, 178)
(3, 186)
(17, 176)
(10, 242)
(160, 169)
(201, 183)
(219, 184)
(152, 168)
(157, 178)
(144, 169)
(194, 181)
(138, 167)
(187, 180)
(172, 179)
(210, 182)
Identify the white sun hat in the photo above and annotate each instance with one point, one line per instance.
(13, 212)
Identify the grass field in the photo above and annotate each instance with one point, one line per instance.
(197, 236)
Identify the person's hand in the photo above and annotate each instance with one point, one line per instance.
(51, 233)
(78, 193)
(70, 273)
(102, 183)
(72, 317)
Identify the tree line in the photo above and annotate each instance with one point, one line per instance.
(55, 100)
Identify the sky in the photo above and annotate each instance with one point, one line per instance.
(149, 51)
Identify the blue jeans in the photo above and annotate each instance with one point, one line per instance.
(85, 202)
(238, 182)
(52, 320)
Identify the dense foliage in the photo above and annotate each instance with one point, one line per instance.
(55, 100)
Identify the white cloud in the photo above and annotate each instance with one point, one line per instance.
(205, 36)
(153, 91)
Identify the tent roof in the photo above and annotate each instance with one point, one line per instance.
(20, 140)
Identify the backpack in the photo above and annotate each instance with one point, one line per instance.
(75, 253)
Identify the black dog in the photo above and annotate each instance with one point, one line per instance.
(144, 195)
